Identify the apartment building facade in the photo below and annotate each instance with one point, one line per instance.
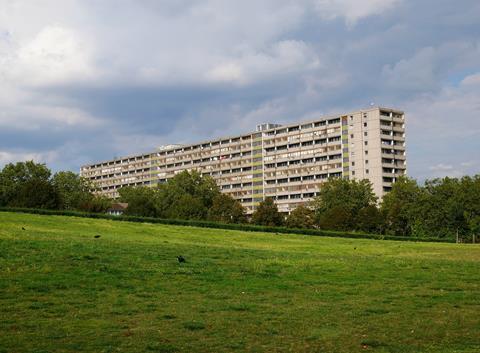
(288, 163)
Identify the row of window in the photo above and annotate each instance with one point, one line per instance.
(130, 172)
(303, 144)
(294, 196)
(115, 187)
(119, 161)
(303, 161)
(279, 131)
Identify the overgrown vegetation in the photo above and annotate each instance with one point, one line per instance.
(64, 290)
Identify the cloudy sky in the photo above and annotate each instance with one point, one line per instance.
(87, 80)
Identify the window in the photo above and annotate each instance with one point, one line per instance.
(367, 171)
(366, 161)
(366, 152)
(365, 124)
(334, 121)
(353, 164)
(365, 133)
(351, 136)
(366, 143)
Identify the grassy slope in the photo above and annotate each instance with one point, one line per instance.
(61, 290)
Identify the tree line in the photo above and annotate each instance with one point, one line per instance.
(442, 208)
(32, 185)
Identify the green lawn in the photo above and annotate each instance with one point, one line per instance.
(62, 290)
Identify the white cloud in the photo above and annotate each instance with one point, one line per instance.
(444, 128)
(451, 113)
(429, 66)
(34, 117)
(56, 55)
(353, 10)
(456, 170)
(471, 81)
(280, 59)
(413, 73)
(13, 157)
(441, 167)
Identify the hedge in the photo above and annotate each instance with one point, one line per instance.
(208, 224)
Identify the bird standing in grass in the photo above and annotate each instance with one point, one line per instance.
(97, 236)
(181, 259)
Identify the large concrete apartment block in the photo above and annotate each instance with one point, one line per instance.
(288, 163)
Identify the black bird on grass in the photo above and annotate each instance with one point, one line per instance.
(23, 228)
(97, 236)
(181, 259)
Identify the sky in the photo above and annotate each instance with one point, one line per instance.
(87, 80)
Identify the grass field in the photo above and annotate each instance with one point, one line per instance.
(62, 290)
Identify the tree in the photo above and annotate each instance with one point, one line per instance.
(399, 206)
(267, 214)
(227, 210)
(335, 218)
(301, 217)
(141, 201)
(188, 195)
(72, 189)
(440, 209)
(470, 199)
(27, 184)
(339, 202)
(370, 220)
(95, 204)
